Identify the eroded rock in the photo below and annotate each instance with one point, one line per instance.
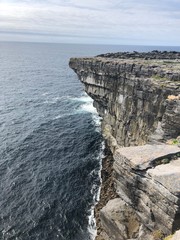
(119, 220)
(132, 96)
(148, 187)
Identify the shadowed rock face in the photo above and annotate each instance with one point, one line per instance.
(148, 185)
(133, 96)
(138, 97)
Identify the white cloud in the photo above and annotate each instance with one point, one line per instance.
(113, 21)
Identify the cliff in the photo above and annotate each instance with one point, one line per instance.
(138, 97)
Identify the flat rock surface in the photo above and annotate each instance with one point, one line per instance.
(119, 220)
(176, 236)
(142, 157)
(168, 175)
(143, 55)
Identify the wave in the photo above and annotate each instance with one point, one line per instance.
(84, 98)
(82, 104)
(87, 105)
(54, 100)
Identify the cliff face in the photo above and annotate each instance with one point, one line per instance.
(137, 96)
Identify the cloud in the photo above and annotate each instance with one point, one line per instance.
(96, 21)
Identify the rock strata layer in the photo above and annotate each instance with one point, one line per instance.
(138, 97)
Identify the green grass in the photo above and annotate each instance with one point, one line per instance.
(157, 77)
(175, 141)
(168, 237)
(158, 235)
(171, 62)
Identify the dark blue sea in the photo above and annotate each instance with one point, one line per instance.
(50, 143)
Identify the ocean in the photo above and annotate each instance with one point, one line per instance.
(50, 142)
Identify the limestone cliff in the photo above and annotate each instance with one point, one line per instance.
(138, 97)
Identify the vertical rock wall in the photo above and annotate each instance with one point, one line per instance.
(132, 98)
(137, 96)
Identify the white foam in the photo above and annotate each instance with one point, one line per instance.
(92, 224)
(91, 219)
(58, 116)
(45, 93)
(101, 156)
(97, 122)
(56, 99)
(84, 98)
(87, 104)
(88, 107)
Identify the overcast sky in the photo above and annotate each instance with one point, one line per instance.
(135, 22)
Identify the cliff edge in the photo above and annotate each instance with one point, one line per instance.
(138, 97)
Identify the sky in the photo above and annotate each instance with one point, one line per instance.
(122, 22)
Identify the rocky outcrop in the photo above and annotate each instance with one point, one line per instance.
(138, 97)
(132, 96)
(149, 186)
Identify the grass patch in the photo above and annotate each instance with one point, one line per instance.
(174, 141)
(157, 77)
(168, 237)
(158, 235)
(171, 62)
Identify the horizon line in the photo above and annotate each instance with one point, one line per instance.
(100, 44)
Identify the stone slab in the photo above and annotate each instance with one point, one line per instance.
(119, 220)
(142, 157)
(168, 175)
(176, 236)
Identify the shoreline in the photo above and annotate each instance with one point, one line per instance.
(107, 190)
(92, 226)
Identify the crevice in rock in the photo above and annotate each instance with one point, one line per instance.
(107, 188)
